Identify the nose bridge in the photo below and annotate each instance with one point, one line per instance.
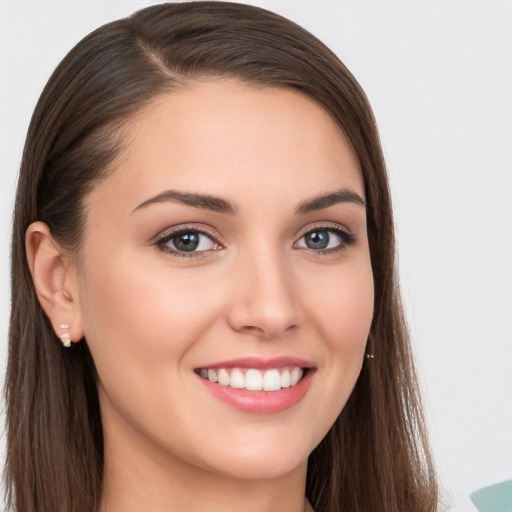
(264, 302)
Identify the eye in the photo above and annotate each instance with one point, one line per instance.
(187, 241)
(325, 239)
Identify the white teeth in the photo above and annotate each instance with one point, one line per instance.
(285, 379)
(295, 376)
(253, 379)
(237, 379)
(272, 381)
(223, 377)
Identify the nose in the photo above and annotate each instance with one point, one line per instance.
(265, 301)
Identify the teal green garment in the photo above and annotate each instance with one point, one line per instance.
(496, 498)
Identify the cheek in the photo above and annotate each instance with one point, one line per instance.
(340, 311)
(140, 318)
(343, 309)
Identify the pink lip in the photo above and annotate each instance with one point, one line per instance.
(261, 402)
(261, 363)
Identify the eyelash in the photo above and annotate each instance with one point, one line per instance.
(347, 239)
(162, 242)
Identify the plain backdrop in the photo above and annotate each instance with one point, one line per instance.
(439, 76)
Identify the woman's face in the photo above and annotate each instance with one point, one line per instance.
(229, 244)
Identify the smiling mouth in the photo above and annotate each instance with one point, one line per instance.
(253, 379)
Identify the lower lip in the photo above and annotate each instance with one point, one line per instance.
(261, 402)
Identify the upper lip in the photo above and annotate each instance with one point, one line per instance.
(260, 363)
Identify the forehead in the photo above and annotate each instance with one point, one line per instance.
(219, 137)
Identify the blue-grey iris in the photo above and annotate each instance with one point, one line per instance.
(317, 239)
(186, 242)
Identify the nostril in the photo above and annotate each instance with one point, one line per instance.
(268, 331)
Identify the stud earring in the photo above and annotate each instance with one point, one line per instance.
(65, 338)
(369, 355)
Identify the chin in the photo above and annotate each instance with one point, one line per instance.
(257, 458)
(262, 467)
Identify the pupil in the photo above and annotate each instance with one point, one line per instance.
(187, 242)
(317, 239)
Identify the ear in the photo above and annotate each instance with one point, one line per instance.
(55, 280)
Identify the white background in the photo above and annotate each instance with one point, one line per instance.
(438, 74)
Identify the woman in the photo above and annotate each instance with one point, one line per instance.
(203, 221)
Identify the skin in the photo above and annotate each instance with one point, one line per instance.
(151, 317)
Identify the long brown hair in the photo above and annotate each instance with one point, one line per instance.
(375, 457)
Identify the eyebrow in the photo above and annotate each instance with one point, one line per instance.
(219, 205)
(203, 201)
(343, 195)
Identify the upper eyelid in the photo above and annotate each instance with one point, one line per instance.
(174, 231)
(327, 225)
